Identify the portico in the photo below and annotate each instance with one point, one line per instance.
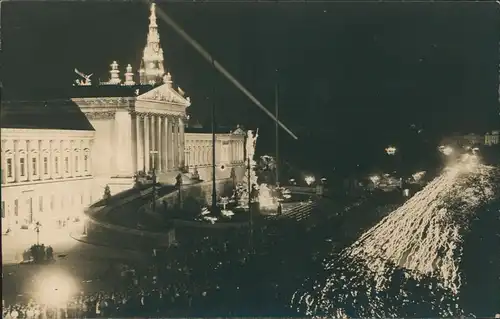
(159, 119)
(157, 132)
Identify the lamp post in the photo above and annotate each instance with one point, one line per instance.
(276, 95)
(214, 186)
(250, 205)
(178, 184)
(84, 233)
(154, 180)
(37, 229)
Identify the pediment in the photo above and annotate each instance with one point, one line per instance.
(239, 131)
(165, 93)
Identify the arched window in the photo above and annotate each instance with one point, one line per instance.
(22, 164)
(57, 164)
(34, 163)
(45, 159)
(9, 166)
(77, 160)
(66, 162)
(86, 154)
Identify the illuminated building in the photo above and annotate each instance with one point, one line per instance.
(104, 135)
(492, 138)
(141, 127)
(46, 163)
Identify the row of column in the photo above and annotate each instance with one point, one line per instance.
(200, 152)
(158, 141)
(237, 151)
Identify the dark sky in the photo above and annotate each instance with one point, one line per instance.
(353, 76)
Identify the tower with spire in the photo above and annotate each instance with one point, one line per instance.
(152, 69)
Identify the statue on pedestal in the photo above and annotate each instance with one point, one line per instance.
(107, 192)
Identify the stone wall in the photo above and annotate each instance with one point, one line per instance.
(195, 195)
(205, 172)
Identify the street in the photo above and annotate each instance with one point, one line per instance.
(91, 267)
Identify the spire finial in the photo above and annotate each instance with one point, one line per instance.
(115, 78)
(167, 78)
(129, 76)
(152, 17)
(152, 59)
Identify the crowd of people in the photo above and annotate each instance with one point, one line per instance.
(209, 276)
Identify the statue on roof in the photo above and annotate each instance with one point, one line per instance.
(86, 78)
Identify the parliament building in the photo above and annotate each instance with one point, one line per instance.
(59, 155)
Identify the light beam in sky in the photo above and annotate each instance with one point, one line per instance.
(219, 67)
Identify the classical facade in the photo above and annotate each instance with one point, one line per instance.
(229, 154)
(58, 156)
(46, 163)
(142, 126)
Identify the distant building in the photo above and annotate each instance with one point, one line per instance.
(473, 139)
(461, 140)
(492, 138)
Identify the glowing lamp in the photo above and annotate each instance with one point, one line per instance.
(391, 150)
(310, 179)
(55, 289)
(375, 179)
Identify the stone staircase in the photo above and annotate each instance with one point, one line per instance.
(298, 212)
(169, 178)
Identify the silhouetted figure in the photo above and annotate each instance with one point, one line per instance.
(50, 253)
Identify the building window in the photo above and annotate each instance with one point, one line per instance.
(52, 199)
(9, 167)
(3, 209)
(21, 166)
(81, 199)
(56, 165)
(40, 203)
(45, 165)
(33, 161)
(76, 163)
(86, 162)
(66, 164)
(16, 207)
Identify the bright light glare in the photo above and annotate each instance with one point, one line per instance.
(446, 150)
(391, 150)
(55, 289)
(266, 198)
(422, 236)
(375, 179)
(418, 176)
(310, 179)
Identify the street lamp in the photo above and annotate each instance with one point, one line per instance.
(250, 204)
(391, 150)
(309, 180)
(37, 229)
(178, 184)
(154, 180)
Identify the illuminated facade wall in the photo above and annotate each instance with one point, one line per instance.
(46, 174)
(229, 154)
(492, 138)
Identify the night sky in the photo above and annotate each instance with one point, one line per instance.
(353, 76)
